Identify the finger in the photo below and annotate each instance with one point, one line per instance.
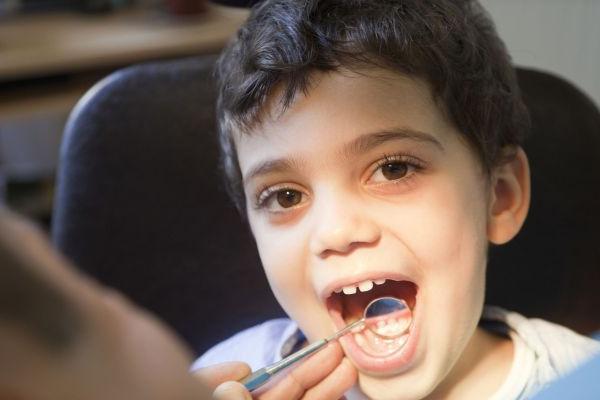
(308, 374)
(231, 391)
(336, 384)
(214, 375)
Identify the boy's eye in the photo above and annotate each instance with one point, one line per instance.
(288, 198)
(279, 198)
(394, 170)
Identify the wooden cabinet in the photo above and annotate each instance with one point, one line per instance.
(48, 61)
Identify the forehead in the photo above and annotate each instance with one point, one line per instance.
(338, 108)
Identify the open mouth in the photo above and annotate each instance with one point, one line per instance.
(386, 344)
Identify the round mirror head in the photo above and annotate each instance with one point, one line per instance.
(387, 317)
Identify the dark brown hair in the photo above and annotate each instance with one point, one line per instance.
(451, 44)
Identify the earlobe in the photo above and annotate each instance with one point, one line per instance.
(510, 194)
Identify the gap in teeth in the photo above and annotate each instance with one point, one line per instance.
(363, 286)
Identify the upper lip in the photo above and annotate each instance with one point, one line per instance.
(361, 277)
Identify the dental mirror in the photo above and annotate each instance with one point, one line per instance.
(386, 317)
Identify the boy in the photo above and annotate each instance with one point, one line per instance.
(374, 147)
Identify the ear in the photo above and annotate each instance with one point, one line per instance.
(510, 194)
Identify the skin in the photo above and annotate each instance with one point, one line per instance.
(120, 352)
(345, 217)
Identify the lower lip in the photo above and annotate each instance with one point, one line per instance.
(395, 363)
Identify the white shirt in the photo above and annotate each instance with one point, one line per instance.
(543, 351)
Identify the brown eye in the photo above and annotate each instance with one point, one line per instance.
(394, 170)
(288, 198)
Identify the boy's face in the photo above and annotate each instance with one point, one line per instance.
(364, 179)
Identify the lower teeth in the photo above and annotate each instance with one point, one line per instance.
(375, 345)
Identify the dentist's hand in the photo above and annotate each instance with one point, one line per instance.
(222, 380)
(325, 375)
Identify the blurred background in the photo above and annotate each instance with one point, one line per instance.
(53, 51)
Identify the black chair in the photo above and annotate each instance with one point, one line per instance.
(141, 207)
(552, 268)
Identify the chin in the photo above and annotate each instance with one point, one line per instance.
(407, 386)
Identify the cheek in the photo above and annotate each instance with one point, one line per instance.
(445, 230)
(450, 242)
(286, 260)
(452, 231)
(453, 219)
(283, 256)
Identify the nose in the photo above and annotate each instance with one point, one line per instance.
(341, 226)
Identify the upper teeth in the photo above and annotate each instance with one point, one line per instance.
(363, 286)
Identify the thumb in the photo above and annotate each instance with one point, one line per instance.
(216, 374)
(231, 391)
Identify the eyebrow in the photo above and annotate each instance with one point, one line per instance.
(368, 141)
(360, 145)
(270, 167)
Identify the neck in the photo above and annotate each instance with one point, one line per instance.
(481, 370)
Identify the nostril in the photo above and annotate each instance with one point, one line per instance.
(344, 235)
(332, 242)
(349, 248)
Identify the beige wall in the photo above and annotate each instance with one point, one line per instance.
(562, 36)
